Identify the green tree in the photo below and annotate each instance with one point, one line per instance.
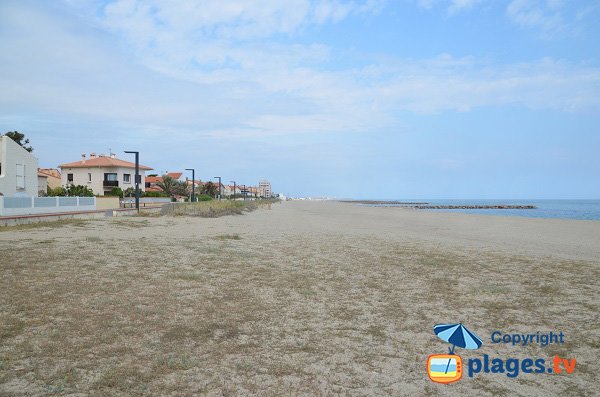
(116, 191)
(57, 191)
(210, 189)
(19, 139)
(181, 189)
(167, 185)
(203, 197)
(173, 187)
(79, 191)
(130, 191)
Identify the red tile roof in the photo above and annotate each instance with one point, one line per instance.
(51, 172)
(175, 175)
(102, 161)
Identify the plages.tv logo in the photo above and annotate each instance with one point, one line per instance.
(447, 368)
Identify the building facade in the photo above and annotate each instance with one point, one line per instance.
(53, 179)
(264, 189)
(18, 170)
(102, 173)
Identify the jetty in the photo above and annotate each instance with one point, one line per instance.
(429, 206)
(382, 202)
(474, 207)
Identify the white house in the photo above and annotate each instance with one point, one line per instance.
(102, 173)
(18, 170)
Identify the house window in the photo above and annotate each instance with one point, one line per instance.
(89, 176)
(126, 178)
(20, 176)
(110, 177)
(69, 178)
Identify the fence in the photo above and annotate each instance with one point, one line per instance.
(11, 206)
(144, 201)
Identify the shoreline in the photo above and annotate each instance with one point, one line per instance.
(535, 209)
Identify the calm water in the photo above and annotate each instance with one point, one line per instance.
(564, 209)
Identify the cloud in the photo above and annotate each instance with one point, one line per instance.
(542, 15)
(452, 6)
(213, 85)
(551, 17)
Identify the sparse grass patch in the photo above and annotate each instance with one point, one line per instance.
(46, 225)
(126, 378)
(223, 237)
(376, 331)
(189, 276)
(130, 222)
(175, 362)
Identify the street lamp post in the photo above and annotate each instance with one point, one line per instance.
(193, 182)
(219, 178)
(138, 178)
(233, 189)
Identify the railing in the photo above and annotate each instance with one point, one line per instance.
(11, 206)
(129, 202)
(111, 183)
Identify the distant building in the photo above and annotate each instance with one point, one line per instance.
(152, 181)
(42, 183)
(18, 170)
(264, 189)
(102, 173)
(53, 177)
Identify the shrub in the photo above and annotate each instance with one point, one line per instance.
(115, 191)
(78, 191)
(203, 197)
(57, 191)
(155, 194)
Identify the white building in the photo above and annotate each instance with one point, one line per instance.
(264, 189)
(102, 173)
(18, 170)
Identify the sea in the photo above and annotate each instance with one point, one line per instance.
(560, 209)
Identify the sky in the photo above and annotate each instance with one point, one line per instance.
(349, 99)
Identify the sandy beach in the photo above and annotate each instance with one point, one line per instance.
(306, 298)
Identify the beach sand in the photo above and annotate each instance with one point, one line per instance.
(307, 298)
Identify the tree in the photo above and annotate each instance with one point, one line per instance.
(210, 189)
(181, 189)
(130, 191)
(116, 191)
(57, 191)
(173, 187)
(79, 191)
(19, 139)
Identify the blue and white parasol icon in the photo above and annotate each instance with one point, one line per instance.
(458, 335)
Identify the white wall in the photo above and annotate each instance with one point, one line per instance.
(12, 155)
(14, 206)
(81, 177)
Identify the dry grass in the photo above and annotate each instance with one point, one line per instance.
(309, 315)
(45, 225)
(215, 208)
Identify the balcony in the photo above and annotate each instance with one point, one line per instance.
(111, 183)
